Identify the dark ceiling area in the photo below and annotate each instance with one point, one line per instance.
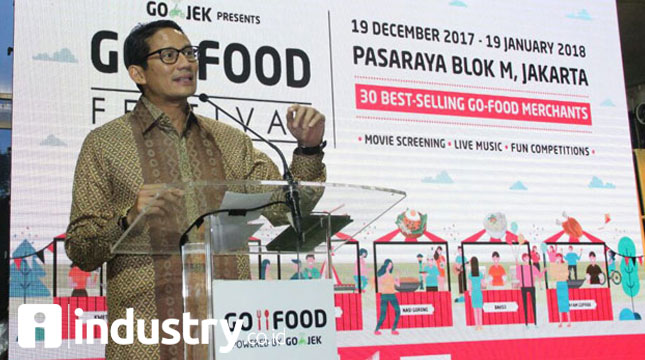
(631, 20)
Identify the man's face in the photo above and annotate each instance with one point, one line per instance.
(592, 259)
(496, 260)
(310, 261)
(169, 82)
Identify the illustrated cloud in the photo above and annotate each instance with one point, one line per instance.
(581, 15)
(458, 3)
(52, 140)
(597, 183)
(441, 178)
(607, 102)
(518, 185)
(64, 55)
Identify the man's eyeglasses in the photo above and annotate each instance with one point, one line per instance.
(170, 55)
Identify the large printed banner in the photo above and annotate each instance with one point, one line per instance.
(505, 122)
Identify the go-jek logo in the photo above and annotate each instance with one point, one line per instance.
(46, 319)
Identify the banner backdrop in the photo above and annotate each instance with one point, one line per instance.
(505, 123)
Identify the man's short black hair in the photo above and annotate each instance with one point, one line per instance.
(136, 45)
(495, 254)
(591, 253)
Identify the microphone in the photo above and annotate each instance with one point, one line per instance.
(291, 190)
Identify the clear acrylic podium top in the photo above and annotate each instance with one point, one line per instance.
(233, 211)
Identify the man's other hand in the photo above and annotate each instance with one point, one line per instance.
(167, 200)
(306, 124)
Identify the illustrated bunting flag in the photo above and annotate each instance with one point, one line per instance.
(41, 255)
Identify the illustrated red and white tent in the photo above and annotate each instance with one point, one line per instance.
(509, 238)
(345, 237)
(560, 237)
(396, 235)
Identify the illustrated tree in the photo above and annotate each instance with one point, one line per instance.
(25, 278)
(628, 269)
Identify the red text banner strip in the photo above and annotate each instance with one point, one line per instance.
(420, 101)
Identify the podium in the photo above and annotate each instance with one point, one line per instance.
(196, 235)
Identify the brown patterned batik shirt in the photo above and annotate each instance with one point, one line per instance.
(143, 147)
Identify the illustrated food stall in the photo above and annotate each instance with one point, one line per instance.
(419, 308)
(500, 306)
(347, 298)
(585, 304)
(92, 306)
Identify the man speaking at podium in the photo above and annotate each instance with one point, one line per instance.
(124, 163)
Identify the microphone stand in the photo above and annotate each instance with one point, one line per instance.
(290, 190)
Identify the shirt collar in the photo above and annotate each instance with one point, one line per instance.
(156, 116)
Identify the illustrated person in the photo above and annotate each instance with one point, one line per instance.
(572, 260)
(441, 265)
(265, 270)
(560, 273)
(476, 284)
(420, 262)
(361, 268)
(594, 271)
(496, 272)
(535, 257)
(297, 275)
(432, 273)
(527, 274)
(460, 266)
(552, 252)
(77, 279)
(126, 165)
(611, 261)
(311, 272)
(386, 287)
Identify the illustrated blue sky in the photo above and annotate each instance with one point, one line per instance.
(6, 40)
(597, 183)
(518, 185)
(441, 178)
(580, 15)
(607, 102)
(458, 3)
